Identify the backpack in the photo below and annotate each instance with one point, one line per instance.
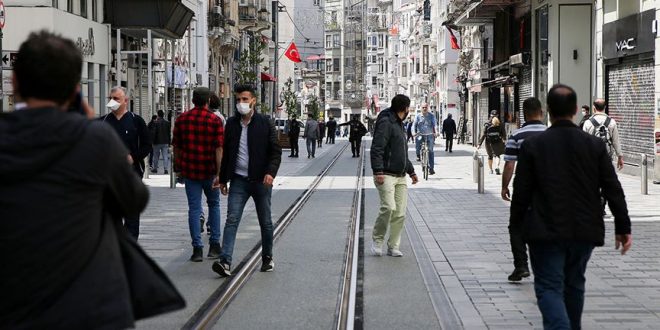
(602, 132)
(493, 135)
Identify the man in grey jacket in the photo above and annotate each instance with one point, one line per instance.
(390, 163)
(311, 135)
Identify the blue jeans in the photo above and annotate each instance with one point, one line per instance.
(159, 149)
(194, 190)
(311, 147)
(429, 143)
(240, 190)
(559, 269)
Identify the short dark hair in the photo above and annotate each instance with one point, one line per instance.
(585, 107)
(160, 113)
(562, 101)
(399, 103)
(154, 117)
(245, 88)
(48, 67)
(214, 101)
(600, 104)
(532, 107)
(200, 96)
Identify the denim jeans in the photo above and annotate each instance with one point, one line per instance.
(240, 190)
(311, 147)
(194, 190)
(429, 143)
(559, 269)
(163, 149)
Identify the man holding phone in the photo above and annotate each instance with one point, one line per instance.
(133, 131)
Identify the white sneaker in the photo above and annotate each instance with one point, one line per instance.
(394, 253)
(376, 249)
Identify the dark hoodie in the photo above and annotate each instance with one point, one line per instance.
(61, 266)
(389, 148)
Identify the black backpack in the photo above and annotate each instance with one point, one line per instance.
(602, 132)
(493, 135)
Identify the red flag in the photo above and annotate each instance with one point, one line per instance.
(452, 39)
(292, 53)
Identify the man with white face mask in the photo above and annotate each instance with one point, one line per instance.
(252, 158)
(133, 130)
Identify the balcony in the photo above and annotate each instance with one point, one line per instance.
(384, 2)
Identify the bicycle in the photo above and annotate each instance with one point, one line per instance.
(424, 155)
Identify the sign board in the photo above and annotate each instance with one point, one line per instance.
(8, 59)
(2, 14)
(630, 35)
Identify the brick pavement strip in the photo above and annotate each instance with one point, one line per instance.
(466, 236)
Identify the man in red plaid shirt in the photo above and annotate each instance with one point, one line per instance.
(197, 141)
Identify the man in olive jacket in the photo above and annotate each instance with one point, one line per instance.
(556, 205)
(390, 163)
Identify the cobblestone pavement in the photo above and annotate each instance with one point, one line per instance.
(466, 236)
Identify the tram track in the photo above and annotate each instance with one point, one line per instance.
(212, 309)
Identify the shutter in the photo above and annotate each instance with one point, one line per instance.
(524, 91)
(630, 89)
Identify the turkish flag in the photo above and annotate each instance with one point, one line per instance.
(292, 53)
(453, 40)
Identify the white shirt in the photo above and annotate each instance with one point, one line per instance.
(600, 118)
(243, 159)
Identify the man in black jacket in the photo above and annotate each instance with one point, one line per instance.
(294, 135)
(62, 267)
(331, 126)
(357, 131)
(251, 159)
(556, 205)
(132, 129)
(448, 131)
(162, 137)
(390, 163)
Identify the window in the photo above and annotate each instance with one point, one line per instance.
(317, 2)
(404, 69)
(381, 67)
(425, 58)
(373, 58)
(374, 81)
(328, 88)
(416, 66)
(336, 40)
(328, 65)
(380, 41)
(336, 63)
(336, 91)
(95, 10)
(328, 41)
(83, 8)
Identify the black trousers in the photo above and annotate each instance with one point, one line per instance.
(449, 142)
(518, 248)
(320, 142)
(355, 146)
(293, 142)
(331, 138)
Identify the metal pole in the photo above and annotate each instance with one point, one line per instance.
(480, 187)
(149, 73)
(274, 14)
(2, 92)
(643, 167)
(172, 176)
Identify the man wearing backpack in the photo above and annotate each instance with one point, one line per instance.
(604, 127)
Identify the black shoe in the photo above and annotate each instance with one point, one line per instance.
(201, 222)
(450, 151)
(296, 156)
(497, 171)
(291, 156)
(165, 172)
(214, 251)
(197, 254)
(309, 156)
(221, 268)
(431, 172)
(518, 274)
(154, 171)
(267, 264)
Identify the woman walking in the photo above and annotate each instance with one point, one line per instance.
(494, 136)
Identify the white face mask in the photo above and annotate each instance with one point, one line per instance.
(243, 108)
(113, 105)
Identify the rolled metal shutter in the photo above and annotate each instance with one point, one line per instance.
(524, 91)
(630, 101)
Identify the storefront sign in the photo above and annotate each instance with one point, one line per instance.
(86, 46)
(630, 35)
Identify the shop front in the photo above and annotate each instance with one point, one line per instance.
(628, 53)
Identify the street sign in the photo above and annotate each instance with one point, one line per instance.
(8, 59)
(2, 14)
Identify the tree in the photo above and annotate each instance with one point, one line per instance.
(314, 107)
(248, 63)
(290, 100)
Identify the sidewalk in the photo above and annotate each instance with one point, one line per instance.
(466, 236)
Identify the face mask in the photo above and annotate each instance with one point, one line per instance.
(243, 108)
(113, 105)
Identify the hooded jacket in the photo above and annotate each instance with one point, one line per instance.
(389, 149)
(61, 264)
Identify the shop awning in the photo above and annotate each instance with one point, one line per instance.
(506, 80)
(165, 18)
(267, 77)
(479, 12)
(315, 57)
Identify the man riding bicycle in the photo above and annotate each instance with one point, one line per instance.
(424, 127)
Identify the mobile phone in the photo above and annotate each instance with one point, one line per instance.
(76, 105)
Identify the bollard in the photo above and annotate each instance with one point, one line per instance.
(171, 166)
(475, 166)
(480, 186)
(643, 167)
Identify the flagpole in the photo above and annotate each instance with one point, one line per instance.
(274, 10)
